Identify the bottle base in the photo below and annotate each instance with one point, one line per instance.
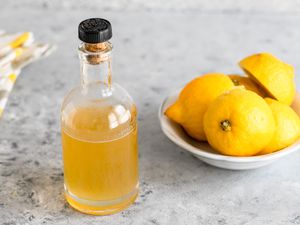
(100, 208)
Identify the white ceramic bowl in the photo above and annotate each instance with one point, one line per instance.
(205, 153)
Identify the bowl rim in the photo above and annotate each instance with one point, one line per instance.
(199, 152)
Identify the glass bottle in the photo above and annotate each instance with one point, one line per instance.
(99, 131)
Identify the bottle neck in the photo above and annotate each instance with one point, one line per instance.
(95, 64)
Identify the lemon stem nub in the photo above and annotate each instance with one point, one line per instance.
(235, 82)
(225, 125)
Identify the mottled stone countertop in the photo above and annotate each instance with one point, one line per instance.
(155, 52)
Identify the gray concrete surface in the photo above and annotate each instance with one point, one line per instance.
(155, 52)
(224, 6)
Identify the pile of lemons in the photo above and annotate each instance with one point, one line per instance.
(239, 115)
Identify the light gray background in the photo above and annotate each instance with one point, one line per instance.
(159, 46)
(230, 6)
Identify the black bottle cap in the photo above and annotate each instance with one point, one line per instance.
(94, 30)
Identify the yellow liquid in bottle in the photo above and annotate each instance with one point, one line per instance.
(100, 157)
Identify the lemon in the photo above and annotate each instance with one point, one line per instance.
(194, 100)
(275, 76)
(287, 126)
(247, 83)
(239, 123)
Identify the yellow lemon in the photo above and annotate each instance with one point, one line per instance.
(194, 100)
(247, 83)
(275, 76)
(287, 126)
(239, 123)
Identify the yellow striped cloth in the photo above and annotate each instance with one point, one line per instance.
(16, 51)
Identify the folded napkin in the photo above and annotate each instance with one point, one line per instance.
(17, 51)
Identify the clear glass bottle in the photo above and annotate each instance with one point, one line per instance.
(99, 131)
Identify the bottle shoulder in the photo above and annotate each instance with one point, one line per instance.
(97, 93)
(98, 113)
